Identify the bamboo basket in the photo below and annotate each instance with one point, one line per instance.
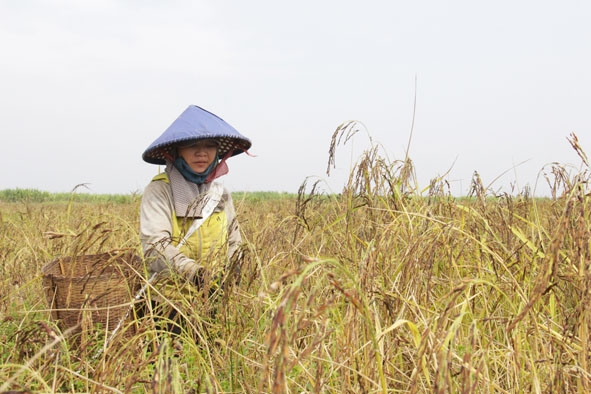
(87, 290)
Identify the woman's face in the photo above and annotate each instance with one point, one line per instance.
(199, 154)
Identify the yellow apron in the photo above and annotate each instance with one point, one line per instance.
(208, 246)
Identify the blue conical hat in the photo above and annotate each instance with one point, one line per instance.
(193, 124)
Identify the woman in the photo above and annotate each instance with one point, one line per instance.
(187, 219)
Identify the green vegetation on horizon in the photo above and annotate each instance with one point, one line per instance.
(39, 196)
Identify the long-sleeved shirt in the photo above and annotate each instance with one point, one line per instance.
(157, 228)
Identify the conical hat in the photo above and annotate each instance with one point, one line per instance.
(193, 124)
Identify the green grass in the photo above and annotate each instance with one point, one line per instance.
(39, 196)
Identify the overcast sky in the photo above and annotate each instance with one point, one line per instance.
(86, 86)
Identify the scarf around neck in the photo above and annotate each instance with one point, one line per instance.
(192, 176)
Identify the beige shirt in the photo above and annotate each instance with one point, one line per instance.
(156, 213)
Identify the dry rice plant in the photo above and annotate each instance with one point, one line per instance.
(374, 290)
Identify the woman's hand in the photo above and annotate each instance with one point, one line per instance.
(190, 269)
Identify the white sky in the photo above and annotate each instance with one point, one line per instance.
(86, 86)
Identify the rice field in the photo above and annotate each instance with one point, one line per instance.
(380, 289)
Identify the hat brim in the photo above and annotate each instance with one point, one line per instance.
(195, 123)
(158, 154)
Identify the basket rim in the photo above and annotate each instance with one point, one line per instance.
(107, 269)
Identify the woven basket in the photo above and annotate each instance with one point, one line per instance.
(88, 289)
